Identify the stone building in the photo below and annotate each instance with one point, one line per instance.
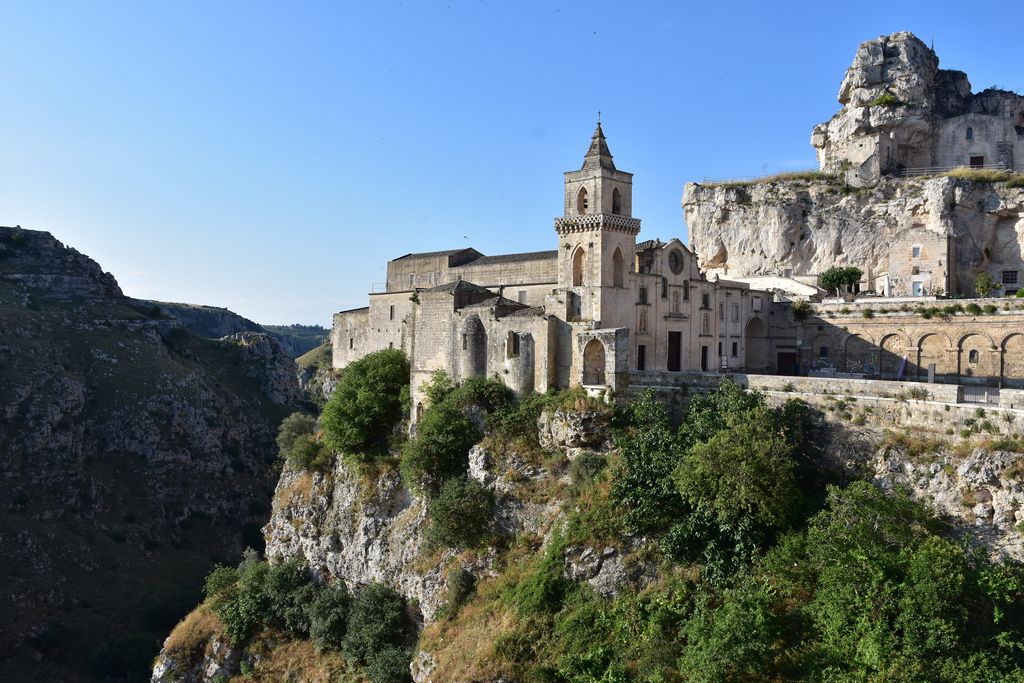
(883, 200)
(902, 112)
(592, 311)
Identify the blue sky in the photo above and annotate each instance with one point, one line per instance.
(270, 157)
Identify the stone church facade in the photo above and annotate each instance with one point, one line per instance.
(590, 312)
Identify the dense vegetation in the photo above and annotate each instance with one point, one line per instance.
(372, 396)
(767, 570)
(370, 629)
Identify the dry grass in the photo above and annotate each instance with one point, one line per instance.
(192, 634)
(987, 175)
(914, 445)
(299, 661)
(300, 491)
(787, 177)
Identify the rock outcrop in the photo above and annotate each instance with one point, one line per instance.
(809, 225)
(133, 456)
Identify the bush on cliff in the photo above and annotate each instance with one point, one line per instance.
(377, 634)
(370, 399)
(460, 515)
(297, 443)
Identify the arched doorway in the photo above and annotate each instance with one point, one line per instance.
(593, 363)
(755, 357)
(579, 261)
(931, 348)
(857, 355)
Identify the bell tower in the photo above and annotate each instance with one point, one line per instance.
(597, 238)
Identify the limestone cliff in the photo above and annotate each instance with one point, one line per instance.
(133, 456)
(764, 228)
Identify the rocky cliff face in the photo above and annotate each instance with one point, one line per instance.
(810, 225)
(134, 455)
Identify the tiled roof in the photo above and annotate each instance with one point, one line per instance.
(426, 254)
(514, 258)
(532, 311)
(458, 286)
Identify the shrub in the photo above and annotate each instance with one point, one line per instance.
(743, 472)
(973, 308)
(985, 284)
(990, 309)
(461, 585)
(867, 313)
(587, 466)
(244, 608)
(390, 664)
(460, 515)
(440, 449)
(544, 588)
(328, 617)
(367, 404)
(886, 99)
(376, 621)
(802, 310)
(289, 592)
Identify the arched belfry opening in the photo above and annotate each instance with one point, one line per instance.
(579, 262)
(617, 267)
(593, 363)
(616, 201)
(582, 202)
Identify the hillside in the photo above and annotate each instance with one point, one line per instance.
(134, 455)
(214, 322)
(556, 539)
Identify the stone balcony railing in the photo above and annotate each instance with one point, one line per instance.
(597, 221)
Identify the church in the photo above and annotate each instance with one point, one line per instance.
(593, 311)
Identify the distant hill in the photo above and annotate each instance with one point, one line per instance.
(214, 322)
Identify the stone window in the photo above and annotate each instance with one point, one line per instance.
(522, 296)
(617, 266)
(512, 345)
(735, 313)
(641, 357)
(915, 251)
(755, 303)
(705, 300)
(578, 262)
(664, 288)
(582, 203)
(916, 270)
(616, 201)
(788, 272)
(735, 349)
(721, 313)
(675, 261)
(970, 133)
(972, 356)
(686, 290)
(823, 352)
(642, 294)
(1009, 277)
(351, 343)
(719, 349)
(391, 345)
(465, 342)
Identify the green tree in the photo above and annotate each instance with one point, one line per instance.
(440, 449)
(460, 515)
(328, 617)
(985, 284)
(377, 620)
(840, 276)
(367, 404)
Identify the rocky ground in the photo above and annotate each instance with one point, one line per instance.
(133, 455)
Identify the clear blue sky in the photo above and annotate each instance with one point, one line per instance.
(271, 157)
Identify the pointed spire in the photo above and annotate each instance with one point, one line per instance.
(598, 155)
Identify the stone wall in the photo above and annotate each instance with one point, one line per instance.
(349, 336)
